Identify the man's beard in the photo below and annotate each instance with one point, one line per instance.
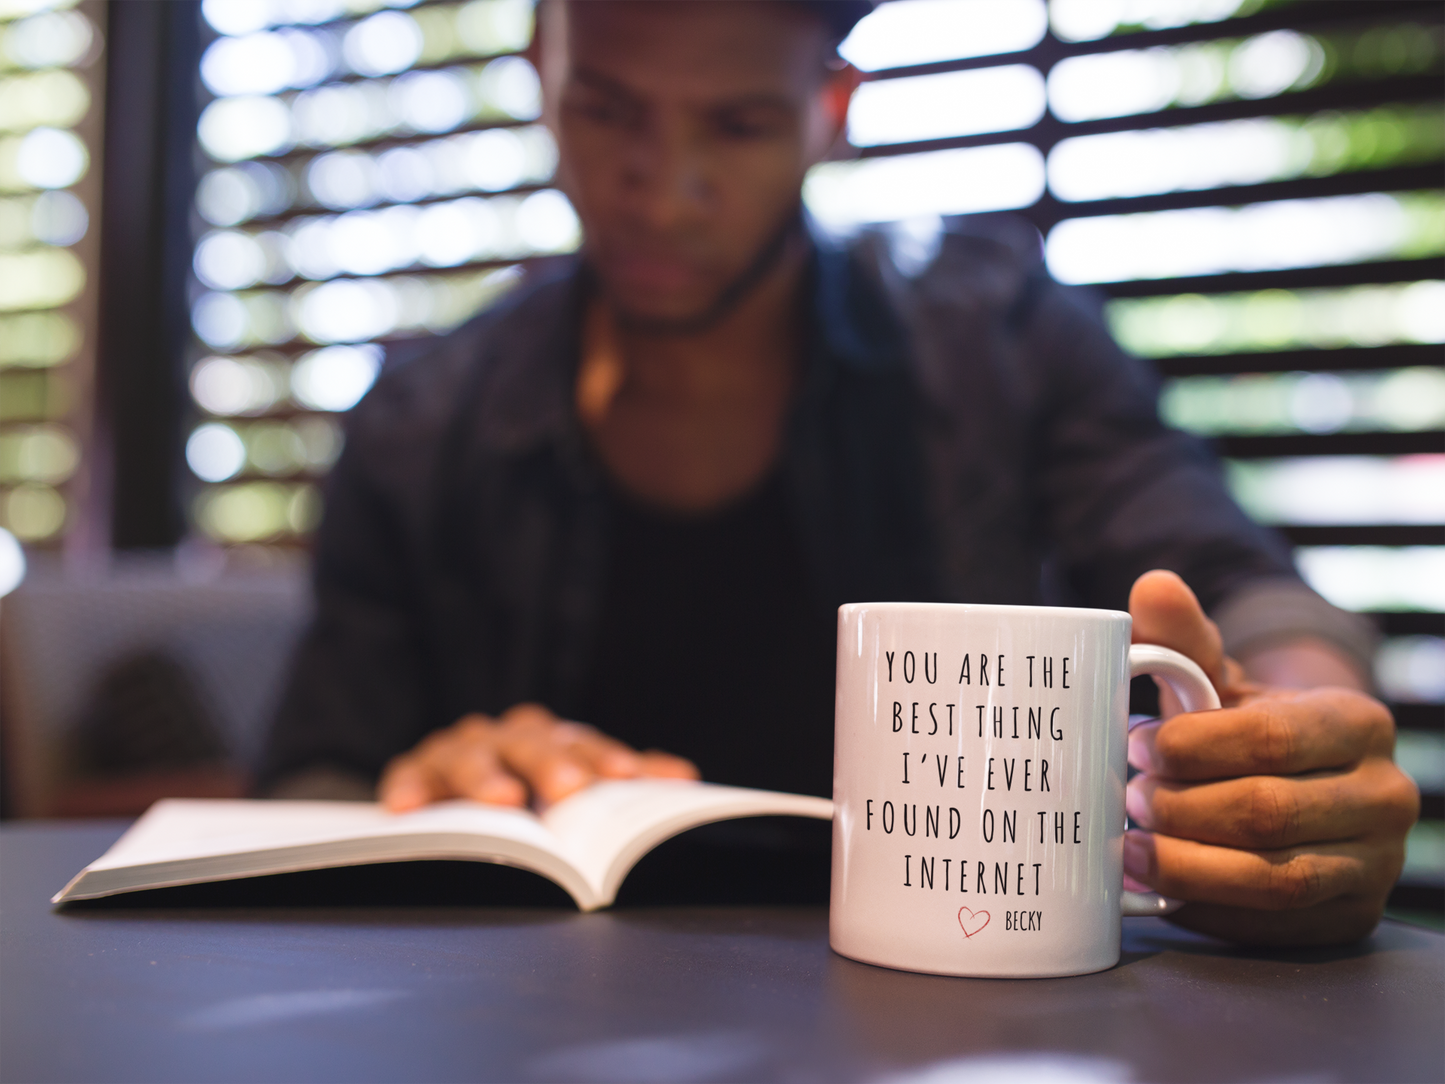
(730, 296)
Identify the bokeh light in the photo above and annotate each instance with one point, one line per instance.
(408, 305)
(908, 32)
(1130, 81)
(1384, 578)
(52, 39)
(38, 339)
(844, 195)
(1393, 400)
(335, 378)
(239, 385)
(231, 129)
(383, 44)
(1089, 20)
(346, 310)
(923, 107)
(58, 218)
(51, 158)
(266, 62)
(258, 511)
(1324, 490)
(39, 278)
(1192, 157)
(12, 562)
(227, 197)
(1256, 237)
(1266, 320)
(228, 260)
(1412, 669)
(38, 453)
(214, 452)
(55, 97)
(33, 512)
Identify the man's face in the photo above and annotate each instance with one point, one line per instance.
(685, 129)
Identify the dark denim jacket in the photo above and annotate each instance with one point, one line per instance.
(970, 433)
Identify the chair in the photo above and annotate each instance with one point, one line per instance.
(67, 640)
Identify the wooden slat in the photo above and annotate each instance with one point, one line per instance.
(1412, 534)
(1425, 442)
(1345, 359)
(1311, 16)
(1426, 175)
(1415, 896)
(1302, 278)
(1419, 716)
(1410, 623)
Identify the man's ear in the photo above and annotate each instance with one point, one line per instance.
(837, 93)
(533, 52)
(546, 52)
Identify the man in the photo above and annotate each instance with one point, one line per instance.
(635, 493)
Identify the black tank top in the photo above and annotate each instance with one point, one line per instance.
(712, 646)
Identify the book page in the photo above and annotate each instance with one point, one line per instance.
(182, 841)
(178, 829)
(608, 827)
(586, 843)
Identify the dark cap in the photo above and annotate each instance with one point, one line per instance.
(840, 15)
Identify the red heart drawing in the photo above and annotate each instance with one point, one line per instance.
(976, 921)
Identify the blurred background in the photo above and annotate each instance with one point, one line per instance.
(218, 221)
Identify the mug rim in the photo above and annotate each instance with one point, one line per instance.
(986, 608)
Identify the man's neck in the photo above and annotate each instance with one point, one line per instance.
(754, 339)
(690, 420)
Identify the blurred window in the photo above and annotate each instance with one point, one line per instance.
(1252, 186)
(375, 173)
(52, 73)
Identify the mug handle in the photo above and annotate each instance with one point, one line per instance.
(1196, 693)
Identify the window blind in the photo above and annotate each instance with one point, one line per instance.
(1254, 188)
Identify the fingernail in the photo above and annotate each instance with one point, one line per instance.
(564, 779)
(1139, 751)
(404, 796)
(1137, 806)
(667, 766)
(1138, 856)
(503, 791)
(622, 763)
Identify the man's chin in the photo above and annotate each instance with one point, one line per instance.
(661, 314)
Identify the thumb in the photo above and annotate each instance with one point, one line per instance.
(1166, 613)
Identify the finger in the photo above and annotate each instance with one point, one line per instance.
(1166, 612)
(473, 769)
(409, 782)
(1282, 734)
(545, 758)
(415, 779)
(607, 757)
(659, 765)
(1277, 880)
(1270, 811)
(457, 762)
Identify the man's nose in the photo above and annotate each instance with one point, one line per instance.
(668, 176)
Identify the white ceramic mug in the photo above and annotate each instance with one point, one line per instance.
(978, 785)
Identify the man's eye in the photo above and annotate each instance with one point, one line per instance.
(605, 111)
(746, 126)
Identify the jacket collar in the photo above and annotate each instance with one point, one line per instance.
(524, 384)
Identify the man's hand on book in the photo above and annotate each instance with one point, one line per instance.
(1281, 818)
(526, 753)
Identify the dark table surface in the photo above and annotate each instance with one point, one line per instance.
(202, 993)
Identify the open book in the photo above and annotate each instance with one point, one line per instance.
(586, 843)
